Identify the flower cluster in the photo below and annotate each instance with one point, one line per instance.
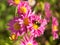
(29, 22)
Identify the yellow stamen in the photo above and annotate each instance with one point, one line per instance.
(29, 44)
(55, 28)
(35, 26)
(16, 1)
(23, 9)
(30, 0)
(13, 37)
(26, 21)
(16, 26)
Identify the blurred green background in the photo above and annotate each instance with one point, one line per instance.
(7, 13)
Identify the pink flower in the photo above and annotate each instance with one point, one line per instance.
(25, 21)
(24, 8)
(28, 41)
(15, 27)
(47, 6)
(54, 24)
(37, 26)
(55, 35)
(47, 11)
(54, 28)
(14, 2)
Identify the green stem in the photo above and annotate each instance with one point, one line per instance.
(16, 12)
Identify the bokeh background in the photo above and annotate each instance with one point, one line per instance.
(7, 13)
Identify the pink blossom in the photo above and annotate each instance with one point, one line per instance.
(54, 24)
(15, 27)
(28, 40)
(24, 8)
(54, 28)
(47, 11)
(25, 21)
(55, 35)
(37, 26)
